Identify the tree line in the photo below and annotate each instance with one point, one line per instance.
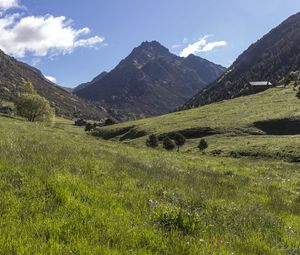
(170, 144)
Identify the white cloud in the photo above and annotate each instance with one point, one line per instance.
(184, 41)
(7, 4)
(210, 46)
(201, 46)
(50, 78)
(42, 35)
(176, 46)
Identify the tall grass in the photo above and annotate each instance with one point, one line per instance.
(64, 192)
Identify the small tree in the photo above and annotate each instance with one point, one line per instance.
(179, 140)
(152, 141)
(202, 145)
(168, 144)
(34, 108)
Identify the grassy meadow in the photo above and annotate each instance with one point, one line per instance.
(66, 192)
(264, 125)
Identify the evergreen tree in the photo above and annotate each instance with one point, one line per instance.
(179, 140)
(168, 144)
(152, 141)
(202, 145)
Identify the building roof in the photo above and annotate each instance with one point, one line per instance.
(260, 83)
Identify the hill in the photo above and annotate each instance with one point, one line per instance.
(89, 196)
(266, 124)
(269, 59)
(150, 81)
(12, 73)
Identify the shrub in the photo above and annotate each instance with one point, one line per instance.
(202, 145)
(110, 121)
(179, 140)
(152, 141)
(34, 108)
(168, 144)
(89, 127)
(80, 123)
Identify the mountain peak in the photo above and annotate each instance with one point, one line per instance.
(153, 48)
(150, 81)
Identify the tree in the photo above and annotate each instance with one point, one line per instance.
(202, 145)
(168, 144)
(179, 140)
(34, 108)
(152, 141)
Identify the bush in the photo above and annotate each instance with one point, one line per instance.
(179, 140)
(168, 144)
(89, 127)
(202, 145)
(152, 141)
(34, 108)
(110, 121)
(80, 123)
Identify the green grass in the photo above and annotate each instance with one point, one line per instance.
(230, 127)
(65, 192)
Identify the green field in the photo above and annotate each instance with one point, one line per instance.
(262, 125)
(66, 192)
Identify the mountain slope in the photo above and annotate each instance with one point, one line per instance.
(86, 84)
(266, 124)
(271, 58)
(150, 81)
(12, 73)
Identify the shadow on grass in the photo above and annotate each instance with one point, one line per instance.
(279, 126)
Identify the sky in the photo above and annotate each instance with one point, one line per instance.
(72, 41)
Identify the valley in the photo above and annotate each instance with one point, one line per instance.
(164, 151)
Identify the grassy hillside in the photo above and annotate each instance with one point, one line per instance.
(64, 192)
(264, 125)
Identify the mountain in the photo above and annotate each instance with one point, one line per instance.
(269, 59)
(150, 81)
(12, 73)
(84, 85)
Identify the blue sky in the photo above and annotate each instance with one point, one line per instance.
(95, 35)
